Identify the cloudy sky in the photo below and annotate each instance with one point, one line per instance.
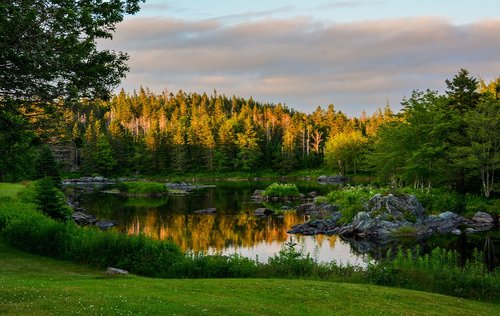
(355, 54)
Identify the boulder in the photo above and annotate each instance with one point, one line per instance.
(115, 271)
(258, 194)
(332, 179)
(83, 218)
(470, 230)
(398, 207)
(444, 222)
(312, 194)
(483, 218)
(262, 211)
(456, 232)
(105, 224)
(210, 210)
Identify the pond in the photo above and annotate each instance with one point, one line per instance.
(234, 229)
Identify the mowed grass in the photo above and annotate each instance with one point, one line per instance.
(10, 190)
(34, 285)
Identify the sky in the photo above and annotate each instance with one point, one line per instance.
(357, 55)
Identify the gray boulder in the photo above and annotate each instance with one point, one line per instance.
(398, 207)
(115, 271)
(105, 224)
(483, 218)
(83, 218)
(332, 179)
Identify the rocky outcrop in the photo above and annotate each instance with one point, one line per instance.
(386, 216)
(97, 180)
(185, 188)
(83, 219)
(332, 179)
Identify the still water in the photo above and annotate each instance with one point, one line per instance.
(232, 230)
(235, 230)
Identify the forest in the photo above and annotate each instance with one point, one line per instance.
(448, 140)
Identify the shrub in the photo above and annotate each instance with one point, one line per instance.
(282, 190)
(439, 271)
(351, 200)
(436, 201)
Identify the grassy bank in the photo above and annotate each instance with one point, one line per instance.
(31, 284)
(25, 228)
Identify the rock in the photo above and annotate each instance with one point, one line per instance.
(258, 194)
(83, 219)
(315, 227)
(105, 224)
(305, 207)
(210, 210)
(444, 222)
(285, 208)
(302, 196)
(262, 211)
(312, 194)
(332, 179)
(115, 271)
(470, 230)
(456, 231)
(483, 218)
(399, 207)
(275, 198)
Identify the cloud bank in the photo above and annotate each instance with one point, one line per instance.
(305, 63)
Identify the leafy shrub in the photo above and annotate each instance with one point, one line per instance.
(440, 271)
(290, 262)
(143, 188)
(351, 200)
(437, 201)
(282, 190)
(474, 203)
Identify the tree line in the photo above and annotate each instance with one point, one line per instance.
(150, 133)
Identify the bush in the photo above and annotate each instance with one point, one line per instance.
(440, 271)
(282, 190)
(437, 201)
(351, 200)
(474, 203)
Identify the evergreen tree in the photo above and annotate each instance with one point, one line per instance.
(46, 165)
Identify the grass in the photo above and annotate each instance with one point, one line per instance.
(32, 284)
(10, 190)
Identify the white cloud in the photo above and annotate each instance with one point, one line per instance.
(305, 63)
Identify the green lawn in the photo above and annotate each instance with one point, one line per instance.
(10, 190)
(34, 285)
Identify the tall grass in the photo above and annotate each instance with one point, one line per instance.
(441, 271)
(282, 190)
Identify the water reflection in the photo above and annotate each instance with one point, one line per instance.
(234, 229)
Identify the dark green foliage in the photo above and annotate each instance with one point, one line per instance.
(282, 190)
(290, 262)
(50, 200)
(46, 165)
(351, 200)
(440, 271)
(143, 188)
